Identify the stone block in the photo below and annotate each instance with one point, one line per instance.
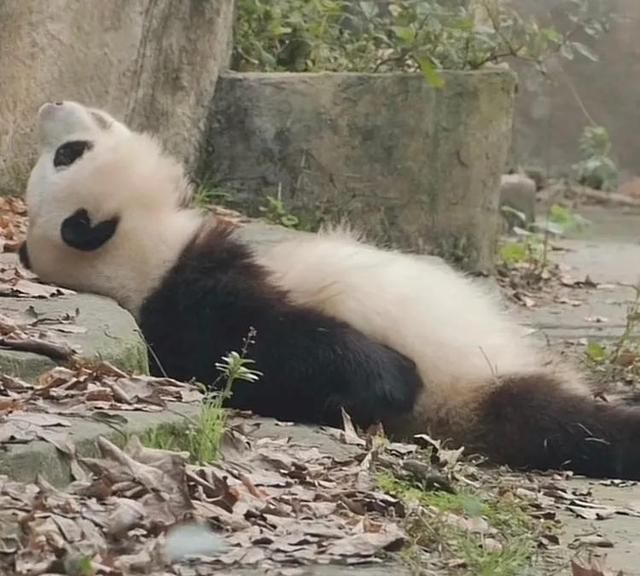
(518, 192)
(411, 165)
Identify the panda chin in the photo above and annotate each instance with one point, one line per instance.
(78, 232)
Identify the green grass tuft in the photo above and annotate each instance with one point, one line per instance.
(432, 532)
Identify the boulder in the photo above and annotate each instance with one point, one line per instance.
(104, 332)
(153, 63)
(518, 192)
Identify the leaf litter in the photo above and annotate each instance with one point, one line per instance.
(40, 410)
(532, 289)
(149, 509)
(13, 223)
(33, 331)
(267, 502)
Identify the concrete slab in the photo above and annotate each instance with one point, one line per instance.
(609, 253)
(621, 531)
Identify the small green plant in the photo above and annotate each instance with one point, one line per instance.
(275, 212)
(78, 565)
(620, 360)
(201, 437)
(233, 367)
(206, 195)
(527, 255)
(530, 251)
(596, 169)
(561, 220)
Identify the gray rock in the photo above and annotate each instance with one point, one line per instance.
(412, 165)
(518, 192)
(153, 63)
(111, 333)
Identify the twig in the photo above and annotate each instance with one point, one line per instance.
(56, 351)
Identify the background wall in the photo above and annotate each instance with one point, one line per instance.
(549, 120)
(153, 63)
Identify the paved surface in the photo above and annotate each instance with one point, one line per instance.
(608, 253)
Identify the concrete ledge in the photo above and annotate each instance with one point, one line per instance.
(24, 462)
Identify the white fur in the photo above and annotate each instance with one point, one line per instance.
(457, 334)
(125, 174)
(453, 329)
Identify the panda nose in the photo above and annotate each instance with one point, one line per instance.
(23, 254)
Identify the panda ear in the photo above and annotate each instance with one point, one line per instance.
(78, 232)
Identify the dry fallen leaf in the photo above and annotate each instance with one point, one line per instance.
(593, 567)
(350, 436)
(13, 223)
(90, 389)
(20, 426)
(591, 540)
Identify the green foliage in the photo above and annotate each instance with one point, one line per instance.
(206, 195)
(520, 251)
(596, 169)
(402, 35)
(531, 246)
(560, 220)
(596, 352)
(78, 565)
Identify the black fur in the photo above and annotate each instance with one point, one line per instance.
(531, 422)
(67, 153)
(311, 364)
(78, 232)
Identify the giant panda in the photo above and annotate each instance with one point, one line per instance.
(392, 338)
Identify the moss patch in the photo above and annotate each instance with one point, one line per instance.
(469, 532)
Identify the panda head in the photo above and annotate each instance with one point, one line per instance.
(107, 206)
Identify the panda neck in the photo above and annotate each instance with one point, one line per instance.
(149, 256)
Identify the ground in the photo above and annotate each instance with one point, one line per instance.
(286, 495)
(608, 252)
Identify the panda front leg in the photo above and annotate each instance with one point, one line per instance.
(312, 366)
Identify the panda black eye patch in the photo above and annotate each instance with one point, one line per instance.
(67, 153)
(78, 232)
